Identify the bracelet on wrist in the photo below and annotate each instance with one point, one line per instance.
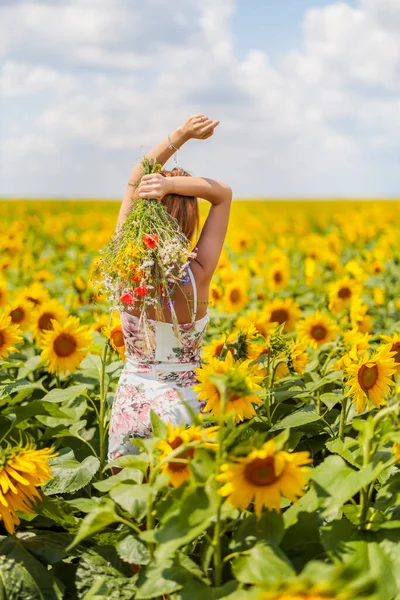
(171, 145)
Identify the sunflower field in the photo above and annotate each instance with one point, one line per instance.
(286, 487)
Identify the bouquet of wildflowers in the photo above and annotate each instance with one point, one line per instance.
(144, 261)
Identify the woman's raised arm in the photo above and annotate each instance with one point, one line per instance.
(198, 126)
(213, 234)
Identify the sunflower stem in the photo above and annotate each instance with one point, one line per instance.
(342, 423)
(216, 542)
(365, 492)
(102, 428)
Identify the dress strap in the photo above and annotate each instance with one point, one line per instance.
(194, 292)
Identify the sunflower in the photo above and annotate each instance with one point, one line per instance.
(379, 296)
(370, 377)
(42, 275)
(216, 347)
(263, 477)
(22, 471)
(216, 294)
(317, 330)
(396, 451)
(177, 468)
(36, 294)
(298, 357)
(9, 335)
(277, 276)
(20, 313)
(341, 292)
(297, 596)
(43, 315)
(358, 316)
(116, 336)
(284, 311)
(394, 340)
(259, 319)
(239, 380)
(65, 346)
(235, 296)
(3, 293)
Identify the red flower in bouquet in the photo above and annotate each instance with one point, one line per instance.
(150, 240)
(141, 290)
(127, 298)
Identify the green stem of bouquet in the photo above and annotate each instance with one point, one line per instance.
(102, 411)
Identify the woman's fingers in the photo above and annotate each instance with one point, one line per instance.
(209, 129)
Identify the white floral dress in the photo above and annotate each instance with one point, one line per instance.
(157, 382)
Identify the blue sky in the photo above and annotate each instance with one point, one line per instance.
(271, 25)
(306, 91)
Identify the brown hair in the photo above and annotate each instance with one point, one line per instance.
(185, 209)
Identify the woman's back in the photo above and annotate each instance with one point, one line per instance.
(169, 351)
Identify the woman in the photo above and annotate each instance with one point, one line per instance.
(159, 380)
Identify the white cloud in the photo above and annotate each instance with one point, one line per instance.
(117, 75)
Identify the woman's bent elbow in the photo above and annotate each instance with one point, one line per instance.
(226, 195)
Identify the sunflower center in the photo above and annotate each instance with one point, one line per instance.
(234, 296)
(396, 348)
(344, 293)
(17, 315)
(218, 349)
(118, 338)
(318, 332)
(189, 453)
(64, 345)
(278, 277)
(45, 321)
(279, 315)
(260, 471)
(33, 300)
(367, 377)
(2, 339)
(215, 294)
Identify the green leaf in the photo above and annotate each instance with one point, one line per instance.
(64, 395)
(134, 461)
(132, 498)
(337, 483)
(158, 425)
(44, 579)
(331, 398)
(300, 417)
(189, 517)
(16, 583)
(125, 475)
(48, 547)
(94, 567)
(99, 517)
(269, 527)
(262, 564)
(160, 580)
(58, 511)
(70, 475)
(29, 366)
(133, 551)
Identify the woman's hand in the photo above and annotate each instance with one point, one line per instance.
(153, 185)
(199, 127)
